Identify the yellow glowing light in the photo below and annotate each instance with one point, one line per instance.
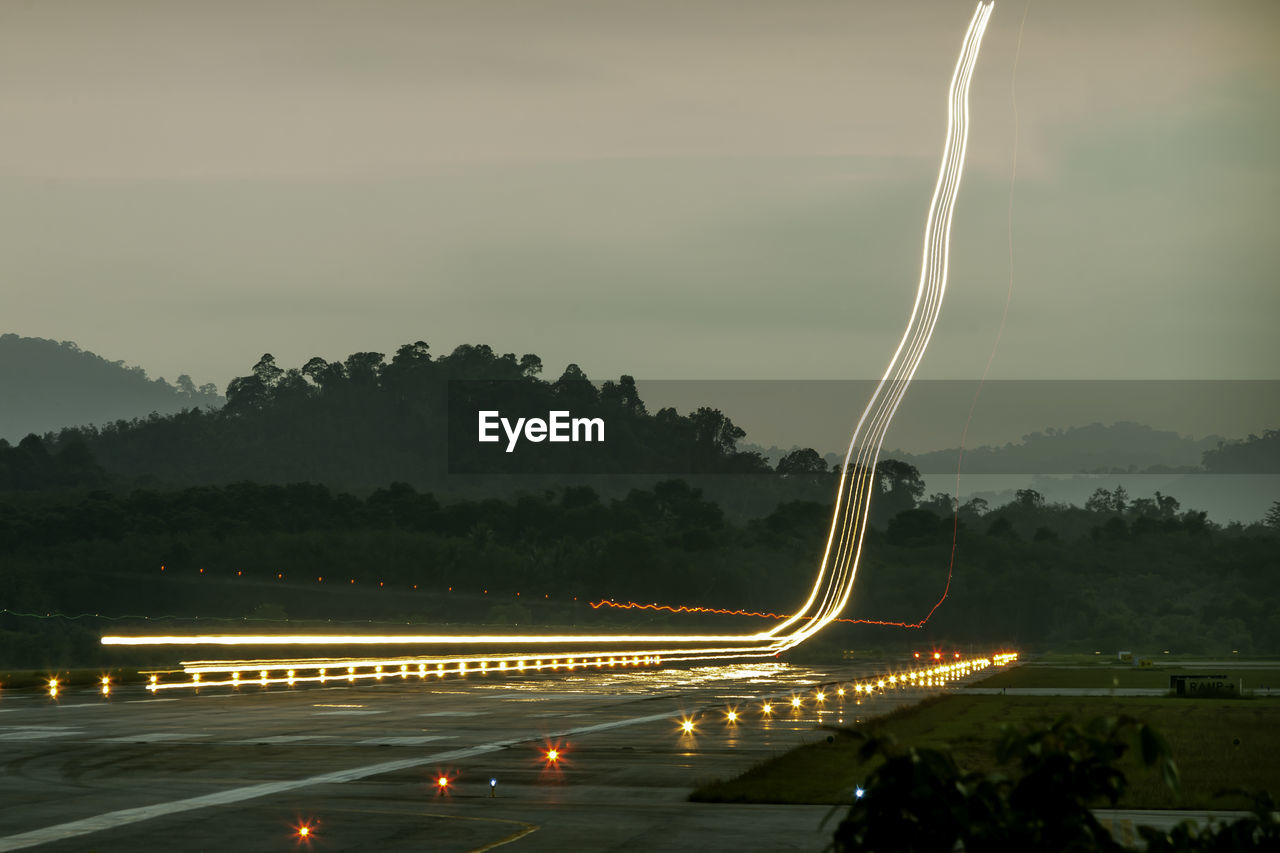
(795, 701)
(821, 697)
(833, 584)
(732, 716)
(767, 708)
(304, 831)
(553, 755)
(687, 726)
(840, 692)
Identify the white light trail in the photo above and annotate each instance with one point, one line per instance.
(834, 582)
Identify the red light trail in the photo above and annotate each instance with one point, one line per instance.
(680, 608)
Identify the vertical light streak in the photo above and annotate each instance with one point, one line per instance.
(849, 520)
(834, 582)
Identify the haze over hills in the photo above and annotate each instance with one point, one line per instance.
(1122, 447)
(46, 385)
(1119, 448)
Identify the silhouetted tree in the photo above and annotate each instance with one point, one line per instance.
(801, 462)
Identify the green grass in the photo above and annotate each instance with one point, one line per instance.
(1041, 675)
(1199, 731)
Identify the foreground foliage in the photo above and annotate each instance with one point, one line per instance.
(919, 799)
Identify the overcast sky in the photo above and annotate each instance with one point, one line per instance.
(681, 189)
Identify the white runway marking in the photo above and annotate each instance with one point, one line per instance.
(409, 740)
(153, 737)
(36, 732)
(280, 739)
(124, 817)
(134, 701)
(345, 713)
(454, 714)
(84, 705)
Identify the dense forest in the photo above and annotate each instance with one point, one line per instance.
(323, 494)
(1133, 573)
(366, 421)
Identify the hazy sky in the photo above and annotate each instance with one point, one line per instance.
(681, 189)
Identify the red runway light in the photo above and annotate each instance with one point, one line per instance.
(304, 832)
(554, 756)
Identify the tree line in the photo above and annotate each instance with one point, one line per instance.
(1041, 576)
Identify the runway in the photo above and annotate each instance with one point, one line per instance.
(360, 764)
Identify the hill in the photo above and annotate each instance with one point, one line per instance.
(47, 385)
(367, 421)
(1119, 448)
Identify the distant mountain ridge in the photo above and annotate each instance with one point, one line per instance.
(46, 385)
(1120, 448)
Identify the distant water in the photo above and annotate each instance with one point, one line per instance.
(1225, 497)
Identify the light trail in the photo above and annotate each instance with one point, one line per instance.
(681, 608)
(834, 582)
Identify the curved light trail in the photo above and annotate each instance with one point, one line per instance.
(833, 584)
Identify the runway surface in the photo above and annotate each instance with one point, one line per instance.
(359, 764)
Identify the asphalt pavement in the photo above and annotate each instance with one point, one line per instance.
(359, 766)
